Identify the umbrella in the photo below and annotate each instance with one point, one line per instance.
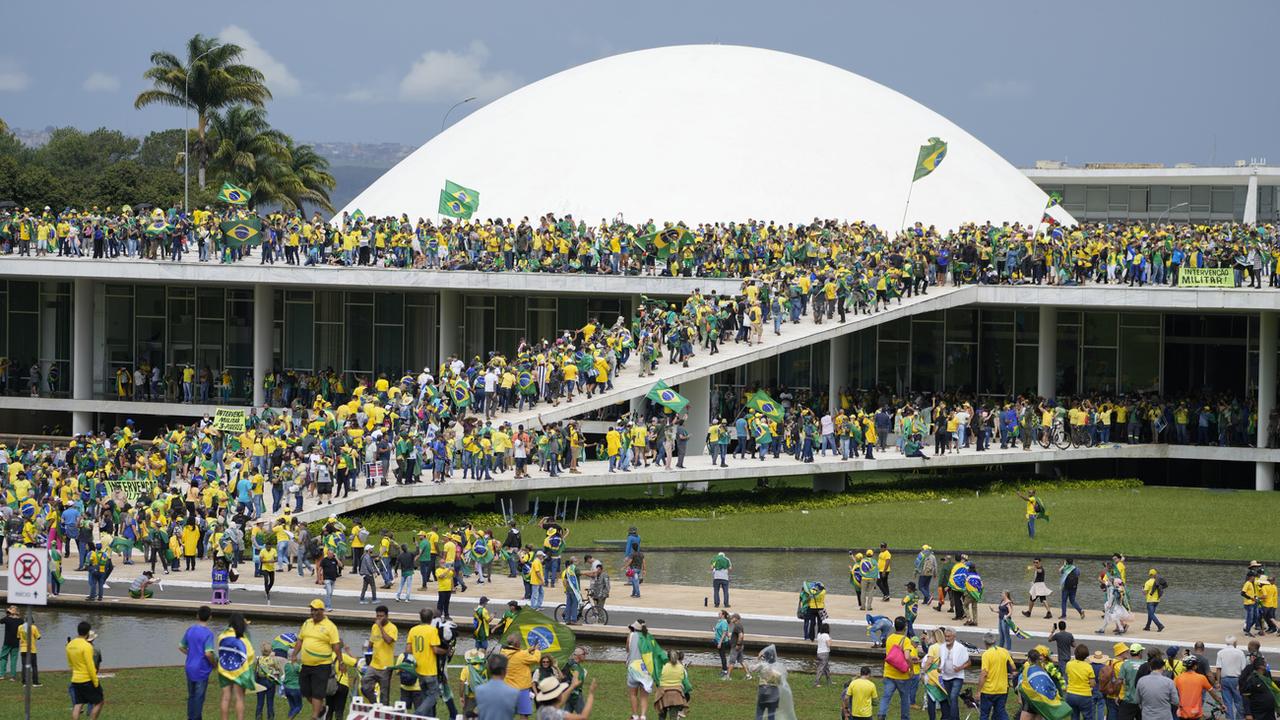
(6, 204)
(140, 207)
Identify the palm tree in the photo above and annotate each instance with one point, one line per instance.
(312, 173)
(210, 80)
(246, 149)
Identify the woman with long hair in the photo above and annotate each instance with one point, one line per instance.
(235, 656)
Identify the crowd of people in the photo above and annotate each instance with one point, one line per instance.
(1131, 252)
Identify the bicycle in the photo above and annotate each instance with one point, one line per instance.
(1054, 435)
(589, 613)
(1081, 437)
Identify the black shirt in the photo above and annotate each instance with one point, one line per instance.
(11, 625)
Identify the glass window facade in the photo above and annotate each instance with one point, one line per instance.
(1179, 203)
(35, 330)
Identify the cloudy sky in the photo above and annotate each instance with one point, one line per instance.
(1134, 80)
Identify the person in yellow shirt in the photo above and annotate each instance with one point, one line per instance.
(28, 638)
(444, 589)
(993, 680)
(318, 647)
(423, 641)
(1081, 680)
(382, 641)
(860, 696)
(267, 557)
(86, 689)
(1152, 591)
(520, 664)
(884, 565)
(896, 680)
(537, 579)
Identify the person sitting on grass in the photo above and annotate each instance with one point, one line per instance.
(140, 588)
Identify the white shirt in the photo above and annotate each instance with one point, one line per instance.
(828, 425)
(824, 643)
(1231, 661)
(952, 658)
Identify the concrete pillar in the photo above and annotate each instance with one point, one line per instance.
(829, 483)
(698, 413)
(263, 304)
(1047, 371)
(1265, 472)
(518, 501)
(1251, 200)
(450, 322)
(82, 353)
(837, 370)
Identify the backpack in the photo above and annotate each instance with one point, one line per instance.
(1161, 584)
(1109, 682)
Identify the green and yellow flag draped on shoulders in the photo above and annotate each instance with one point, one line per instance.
(662, 394)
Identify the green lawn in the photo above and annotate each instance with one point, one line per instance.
(1087, 517)
(159, 694)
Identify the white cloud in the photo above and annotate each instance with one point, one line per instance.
(447, 76)
(101, 82)
(362, 95)
(12, 78)
(1002, 89)
(279, 79)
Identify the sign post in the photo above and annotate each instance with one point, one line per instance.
(28, 586)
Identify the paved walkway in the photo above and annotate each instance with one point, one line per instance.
(685, 608)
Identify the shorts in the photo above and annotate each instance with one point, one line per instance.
(735, 657)
(86, 693)
(313, 681)
(524, 702)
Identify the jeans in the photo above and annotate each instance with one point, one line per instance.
(716, 587)
(1232, 698)
(1006, 637)
(328, 594)
(195, 698)
(635, 584)
(924, 583)
(1031, 526)
(1250, 612)
(266, 700)
(1069, 596)
(571, 607)
(430, 694)
(535, 598)
(952, 709)
(1151, 616)
(903, 688)
(992, 707)
(1081, 706)
(406, 586)
(96, 581)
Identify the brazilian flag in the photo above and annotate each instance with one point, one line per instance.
(662, 394)
(452, 207)
(481, 552)
(1040, 691)
(157, 226)
(238, 233)
(765, 405)
(539, 631)
(458, 201)
(461, 395)
(431, 393)
(234, 194)
(120, 544)
(357, 216)
(664, 242)
(235, 659)
(465, 195)
(931, 155)
(526, 383)
(284, 642)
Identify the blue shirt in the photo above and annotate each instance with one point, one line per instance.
(496, 700)
(198, 640)
(633, 544)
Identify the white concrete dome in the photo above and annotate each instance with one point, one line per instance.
(706, 133)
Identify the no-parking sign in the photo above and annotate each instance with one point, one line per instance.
(29, 576)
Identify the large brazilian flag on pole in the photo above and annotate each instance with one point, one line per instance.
(930, 157)
(239, 232)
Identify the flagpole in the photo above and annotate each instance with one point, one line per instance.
(910, 187)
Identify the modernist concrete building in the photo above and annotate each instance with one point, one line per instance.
(87, 319)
